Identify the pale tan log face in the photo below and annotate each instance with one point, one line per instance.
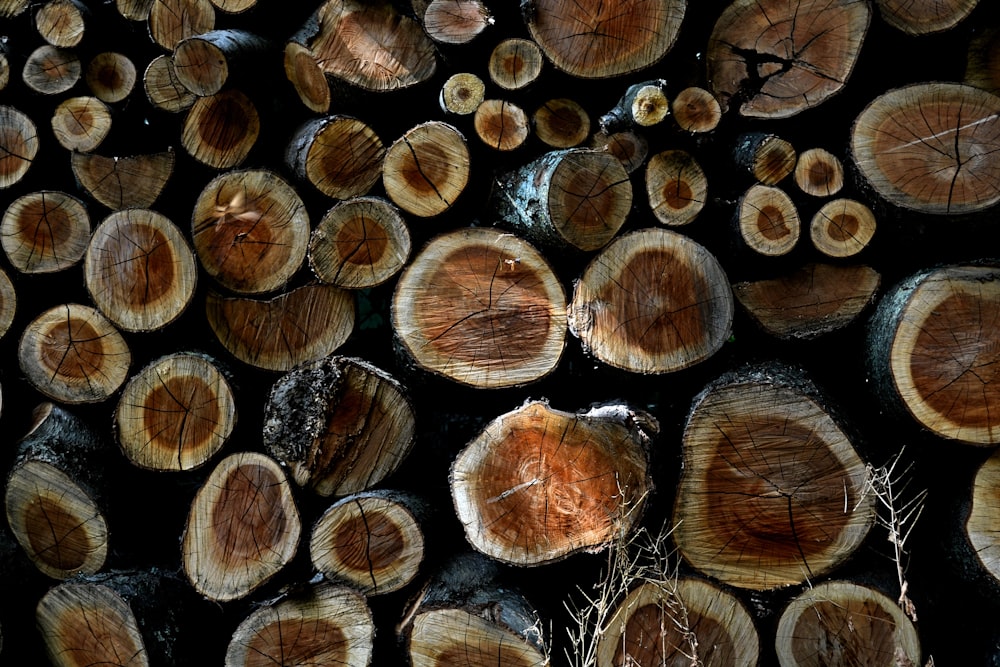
(170, 21)
(220, 130)
(593, 200)
(345, 158)
(982, 525)
(307, 77)
(297, 641)
(248, 515)
(45, 231)
(924, 16)
(456, 637)
(18, 145)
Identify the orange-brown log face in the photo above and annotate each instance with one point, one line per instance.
(656, 637)
(248, 519)
(297, 641)
(774, 163)
(484, 654)
(15, 154)
(591, 199)
(820, 174)
(772, 224)
(58, 537)
(72, 348)
(677, 194)
(361, 241)
(44, 225)
(224, 124)
(368, 542)
(843, 227)
(851, 632)
(138, 265)
(86, 635)
(424, 167)
(181, 413)
(345, 158)
(109, 76)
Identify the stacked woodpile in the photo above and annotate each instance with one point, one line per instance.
(382, 332)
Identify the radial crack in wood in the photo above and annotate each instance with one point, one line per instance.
(922, 17)
(18, 145)
(426, 169)
(134, 181)
(44, 232)
(340, 155)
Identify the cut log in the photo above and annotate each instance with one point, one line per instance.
(652, 302)
(836, 621)
(596, 40)
(340, 155)
(250, 230)
(515, 63)
(676, 187)
(811, 301)
(777, 58)
(135, 10)
(175, 413)
(931, 147)
(163, 89)
(934, 350)
(371, 541)
(170, 21)
(321, 625)
(501, 125)
(766, 436)
(243, 527)
(45, 231)
(630, 147)
(768, 221)
(81, 123)
(221, 129)
(482, 308)
(62, 23)
(51, 71)
(456, 21)
(696, 110)
(110, 76)
(462, 94)
(644, 105)
(55, 494)
(139, 270)
(8, 303)
(922, 17)
(984, 516)
(982, 68)
(234, 6)
(679, 622)
(767, 158)
(819, 173)
(426, 169)
(204, 63)
(577, 198)
(307, 77)
(73, 354)
(4, 70)
(134, 181)
(359, 243)
(306, 324)
(561, 123)
(538, 484)
(339, 424)
(842, 228)
(12, 8)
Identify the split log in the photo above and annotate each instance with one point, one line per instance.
(339, 424)
(250, 230)
(819, 173)
(462, 94)
(62, 23)
(139, 270)
(340, 155)
(768, 221)
(922, 17)
(630, 147)
(163, 89)
(362, 242)
(676, 187)
(766, 436)
(811, 301)
(482, 308)
(933, 350)
(73, 354)
(371, 541)
(243, 527)
(170, 21)
(205, 63)
(110, 76)
(577, 198)
(456, 21)
(305, 324)
(653, 301)
(931, 147)
(307, 78)
(81, 123)
(696, 110)
(501, 125)
(596, 40)
(981, 524)
(838, 621)
(221, 129)
(982, 68)
(8, 303)
(644, 104)
(176, 413)
(320, 625)
(133, 181)
(842, 228)
(426, 169)
(44, 232)
(561, 123)
(538, 484)
(766, 157)
(515, 63)
(18, 145)
(775, 58)
(678, 622)
(55, 494)
(51, 71)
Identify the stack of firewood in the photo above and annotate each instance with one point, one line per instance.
(470, 332)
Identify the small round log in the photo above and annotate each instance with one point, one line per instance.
(767, 158)
(696, 110)
(133, 181)
(62, 23)
(561, 123)
(73, 354)
(8, 303)
(630, 147)
(980, 526)
(515, 63)
(426, 169)
(204, 63)
(339, 424)
(170, 21)
(110, 76)
(768, 221)
(307, 77)
(456, 21)
(50, 70)
(221, 129)
(175, 414)
(676, 187)
(163, 89)
(643, 105)
(243, 527)
(652, 302)
(482, 308)
(501, 125)
(81, 123)
(250, 230)
(842, 228)
(359, 243)
(462, 94)
(45, 231)
(340, 155)
(923, 17)
(819, 173)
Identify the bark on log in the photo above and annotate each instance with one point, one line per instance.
(133, 181)
(644, 105)
(561, 123)
(339, 424)
(835, 622)
(981, 524)
(819, 173)
(482, 308)
(110, 76)
(176, 413)
(73, 354)
(320, 625)
(768, 221)
(630, 147)
(501, 125)
(766, 157)
(931, 147)
(765, 435)
(462, 94)
(163, 89)
(933, 350)
(595, 40)
(305, 324)
(922, 17)
(842, 228)
(515, 63)
(243, 527)
(427, 169)
(696, 110)
(45, 231)
(538, 484)
(652, 302)
(51, 71)
(205, 63)
(170, 21)
(811, 301)
(340, 155)
(775, 58)
(676, 187)
(81, 123)
(18, 145)
(679, 622)
(577, 198)
(62, 23)
(456, 21)
(221, 129)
